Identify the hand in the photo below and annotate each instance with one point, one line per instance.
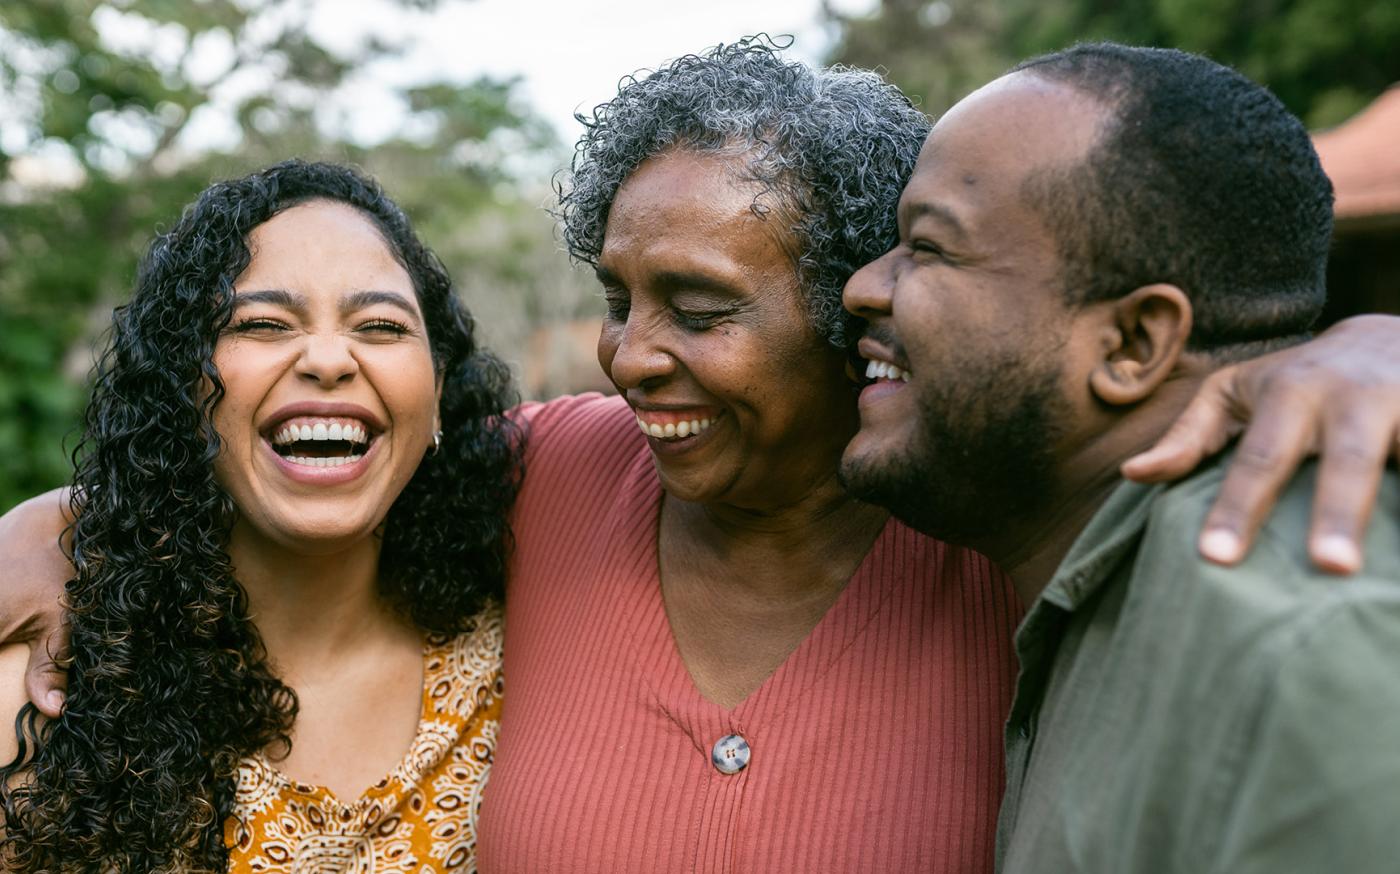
(1338, 396)
(35, 569)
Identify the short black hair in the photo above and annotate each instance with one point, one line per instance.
(1200, 178)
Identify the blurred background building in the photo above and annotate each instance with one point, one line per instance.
(114, 113)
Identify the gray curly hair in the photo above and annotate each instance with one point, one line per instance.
(834, 146)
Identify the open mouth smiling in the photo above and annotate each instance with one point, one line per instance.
(675, 425)
(877, 369)
(314, 441)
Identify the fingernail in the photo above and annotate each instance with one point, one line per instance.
(1221, 545)
(1337, 551)
(55, 699)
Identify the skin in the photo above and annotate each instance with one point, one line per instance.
(978, 275)
(1338, 396)
(1334, 397)
(307, 554)
(757, 538)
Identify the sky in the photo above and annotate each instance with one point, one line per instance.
(569, 55)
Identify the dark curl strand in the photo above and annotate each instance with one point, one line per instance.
(169, 685)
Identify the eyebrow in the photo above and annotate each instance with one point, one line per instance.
(674, 280)
(921, 209)
(349, 303)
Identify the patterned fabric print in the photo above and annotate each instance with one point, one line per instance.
(421, 819)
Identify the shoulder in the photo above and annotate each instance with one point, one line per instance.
(574, 420)
(462, 672)
(1277, 575)
(1272, 634)
(578, 447)
(13, 660)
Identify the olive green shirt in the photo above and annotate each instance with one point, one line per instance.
(1176, 716)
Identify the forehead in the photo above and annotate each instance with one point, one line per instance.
(980, 154)
(683, 205)
(321, 244)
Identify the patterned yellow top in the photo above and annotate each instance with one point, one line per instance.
(421, 818)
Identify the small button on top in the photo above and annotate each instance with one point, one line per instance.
(730, 754)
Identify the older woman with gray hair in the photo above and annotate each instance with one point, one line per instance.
(717, 660)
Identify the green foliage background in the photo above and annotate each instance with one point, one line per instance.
(1325, 59)
(471, 165)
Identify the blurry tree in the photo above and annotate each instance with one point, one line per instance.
(1324, 58)
(115, 114)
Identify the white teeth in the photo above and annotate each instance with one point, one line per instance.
(307, 461)
(885, 370)
(321, 431)
(674, 430)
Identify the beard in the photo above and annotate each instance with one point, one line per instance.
(983, 454)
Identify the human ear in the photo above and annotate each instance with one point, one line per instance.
(1145, 340)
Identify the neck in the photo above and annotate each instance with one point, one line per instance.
(1031, 549)
(309, 607)
(813, 528)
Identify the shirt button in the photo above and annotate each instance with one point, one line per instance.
(730, 754)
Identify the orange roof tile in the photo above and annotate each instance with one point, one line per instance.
(1362, 157)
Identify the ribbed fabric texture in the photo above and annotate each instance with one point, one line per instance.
(876, 747)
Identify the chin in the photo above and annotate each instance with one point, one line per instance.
(313, 533)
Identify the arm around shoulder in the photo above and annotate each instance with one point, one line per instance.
(34, 568)
(30, 538)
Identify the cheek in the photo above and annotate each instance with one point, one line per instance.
(242, 382)
(608, 340)
(408, 387)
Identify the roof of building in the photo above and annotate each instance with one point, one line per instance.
(1362, 157)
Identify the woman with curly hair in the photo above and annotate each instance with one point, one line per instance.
(269, 606)
(719, 661)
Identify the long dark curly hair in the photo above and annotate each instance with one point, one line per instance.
(169, 685)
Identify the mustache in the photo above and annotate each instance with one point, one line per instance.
(882, 334)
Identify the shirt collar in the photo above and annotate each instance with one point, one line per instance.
(1110, 535)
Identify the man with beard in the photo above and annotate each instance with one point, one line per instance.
(1082, 242)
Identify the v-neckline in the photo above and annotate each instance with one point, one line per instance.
(674, 686)
(404, 769)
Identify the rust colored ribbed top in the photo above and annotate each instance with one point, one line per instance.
(876, 747)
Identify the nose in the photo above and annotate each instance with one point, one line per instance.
(868, 291)
(327, 360)
(632, 353)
